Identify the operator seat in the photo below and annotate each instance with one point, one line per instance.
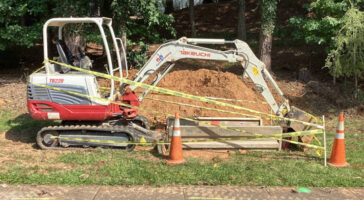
(65, 56)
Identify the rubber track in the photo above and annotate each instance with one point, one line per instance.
(111, 129)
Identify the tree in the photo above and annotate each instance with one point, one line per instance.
(21, 22)
(321, 23)
(347, 58)
(241, 20)
(192, 17)
(268, 15)
(147, 25)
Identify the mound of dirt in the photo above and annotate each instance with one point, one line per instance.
(202, 82)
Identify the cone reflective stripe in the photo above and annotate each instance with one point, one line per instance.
(337, 158)
(175, 152)
(176, 126)
(340, 127)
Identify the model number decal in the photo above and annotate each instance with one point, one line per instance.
(193, 53)
(56, 80)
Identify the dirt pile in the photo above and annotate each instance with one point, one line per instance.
(202, 82)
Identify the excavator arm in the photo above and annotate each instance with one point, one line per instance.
(186, 48)
(173, 51)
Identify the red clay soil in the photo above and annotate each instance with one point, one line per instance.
(201, 82)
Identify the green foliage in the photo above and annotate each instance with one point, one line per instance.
(137, 58)
(148, 24)
(143, 24)
(21, 22)
(74, 8)
(322, 22)
(268, 15)
(347, 59)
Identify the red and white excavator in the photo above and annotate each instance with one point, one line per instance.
(91, 119)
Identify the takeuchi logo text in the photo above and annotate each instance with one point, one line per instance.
(193, 53)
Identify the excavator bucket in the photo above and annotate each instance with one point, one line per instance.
(298, 114)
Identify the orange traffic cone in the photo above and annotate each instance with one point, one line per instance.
(175, 153)
(337, 158)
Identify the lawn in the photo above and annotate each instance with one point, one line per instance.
(30, 165)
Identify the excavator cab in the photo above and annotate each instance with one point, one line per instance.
(44, 103)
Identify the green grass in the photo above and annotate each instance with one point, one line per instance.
(21, 124)
(113, 167)
(4, 120)
(110, 167)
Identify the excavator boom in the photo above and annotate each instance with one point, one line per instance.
(187, 48)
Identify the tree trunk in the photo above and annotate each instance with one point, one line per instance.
(94, 9)
(241, 20)
(356, 92)
(265, 48)
(268, 15)
(192, 17)
(169, 6)
(73, 42)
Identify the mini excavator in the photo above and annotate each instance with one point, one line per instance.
(93, 120)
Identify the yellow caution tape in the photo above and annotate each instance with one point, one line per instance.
(202, 107)
(143, 141)
(140, 108)
(190, 105)
(259, 136)
(256, 135)
(303, 144)
(106, 89)
(216, 98)
(39, 69)
(179, 94)
(318, 151)
(236, 100)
